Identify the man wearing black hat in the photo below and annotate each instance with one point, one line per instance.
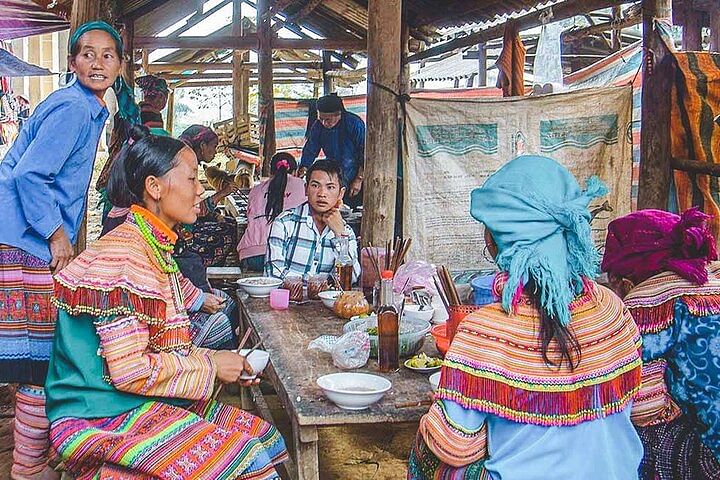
(341, 136)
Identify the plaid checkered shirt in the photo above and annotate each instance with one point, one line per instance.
(295, 246)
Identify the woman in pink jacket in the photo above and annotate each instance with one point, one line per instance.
(267, 200)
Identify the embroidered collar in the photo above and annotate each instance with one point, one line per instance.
(158, 226)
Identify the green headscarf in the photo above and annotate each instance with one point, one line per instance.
(127, 108)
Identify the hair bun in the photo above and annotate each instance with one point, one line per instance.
(138, 132)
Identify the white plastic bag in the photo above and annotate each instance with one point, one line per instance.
(351, 350)
(414, 274)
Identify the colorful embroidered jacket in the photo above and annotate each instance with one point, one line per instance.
(499, 401)
(680, 325)
(123, 331)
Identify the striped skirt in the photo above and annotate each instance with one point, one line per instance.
(27, 318)
(209, 441)
(424, 465)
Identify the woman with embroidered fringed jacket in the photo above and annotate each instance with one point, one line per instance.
(539, 385)
(44, 179)
(664, 266)
(129, 396)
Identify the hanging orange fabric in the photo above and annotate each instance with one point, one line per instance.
(511, 62)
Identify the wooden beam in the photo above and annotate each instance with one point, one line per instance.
(145, 9)
(199, 17)
(696, 167)
(227, 66)
(266, 100)
(224, 76)
(482, 65)
(228, 83)
(658, 75)
(573, 35)
(560, 11)
(715, 30)
(170, 112)
(238, 78)
(327, 80)
(249, 43)
(381, 144)
(692, 29)
(128, 38)
(615, 33)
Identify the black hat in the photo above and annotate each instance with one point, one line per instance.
(330, 104)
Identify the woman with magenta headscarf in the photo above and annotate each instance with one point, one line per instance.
(44, 181)
(664, 265)
(539, 385)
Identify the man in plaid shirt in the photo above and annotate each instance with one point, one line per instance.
(301, 240)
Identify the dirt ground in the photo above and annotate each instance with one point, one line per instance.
(377, 452)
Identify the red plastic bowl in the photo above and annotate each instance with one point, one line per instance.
(441, 341)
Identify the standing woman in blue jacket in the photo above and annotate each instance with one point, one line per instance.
(44, 182)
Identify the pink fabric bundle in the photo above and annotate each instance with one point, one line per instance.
(648, 242)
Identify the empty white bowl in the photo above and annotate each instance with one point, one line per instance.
(328, 298)
(434, 380)
(414, 312)
(259, 287)
(258, 361)
(354, 391)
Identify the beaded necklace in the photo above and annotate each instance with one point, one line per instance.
(161, 251)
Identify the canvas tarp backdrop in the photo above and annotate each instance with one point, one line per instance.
(453, 146)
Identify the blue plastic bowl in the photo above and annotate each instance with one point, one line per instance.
(483, 289)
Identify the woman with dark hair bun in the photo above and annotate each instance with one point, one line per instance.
(124, 371)
(266, 201)
(44, 179)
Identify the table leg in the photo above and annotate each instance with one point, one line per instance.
(305, 439)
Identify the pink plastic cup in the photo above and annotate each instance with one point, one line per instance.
(280, 299)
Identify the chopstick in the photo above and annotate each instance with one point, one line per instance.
(259, 342)
(441, 294)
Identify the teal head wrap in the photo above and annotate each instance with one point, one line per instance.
(127, 108)
(538, 216)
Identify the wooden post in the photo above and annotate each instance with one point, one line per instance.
(327, 80)
(316, 90)
(657, 73)
(128, 37)
(616, 33)
(266, 103)
(170, 112)
(482, 65)
(714, 30)
(692, 29)
(381, 144)
(83, 11)
(238, 77)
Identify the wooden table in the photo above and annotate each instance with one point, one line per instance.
(293, 370)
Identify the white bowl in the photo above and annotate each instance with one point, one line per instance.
(258, 361)
(259, 287)
(354, 391)
(329, 297)
(434, 380)
(413, 312)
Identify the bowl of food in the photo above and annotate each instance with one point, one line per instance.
(421, 363)
(411, 338)
(434, 380)
(258, 360)
(442, 343)
(419, 312)
(259, 287)
(354, 391)
(328, 298)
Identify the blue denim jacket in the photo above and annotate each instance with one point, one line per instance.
(45, 175)
(344, 143)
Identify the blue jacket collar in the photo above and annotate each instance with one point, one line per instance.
(96, 106)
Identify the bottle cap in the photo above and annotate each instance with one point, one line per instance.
(386, 274)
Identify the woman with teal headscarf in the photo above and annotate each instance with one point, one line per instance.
(44, 180)
(540, 384)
